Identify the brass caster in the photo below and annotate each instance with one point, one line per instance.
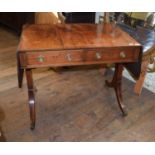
(124, 113)
(32, 127)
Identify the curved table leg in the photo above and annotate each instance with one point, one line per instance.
(31, 97)
(116, 83)
(20, 72)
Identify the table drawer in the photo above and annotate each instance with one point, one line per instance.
(77, 57)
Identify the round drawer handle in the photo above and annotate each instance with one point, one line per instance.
(98, 55)
(122, 55)
(68, 56)
(41, 58)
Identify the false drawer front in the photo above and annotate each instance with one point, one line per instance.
(77, 57)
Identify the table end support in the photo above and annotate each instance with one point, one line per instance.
(31, 96)
(116, 83)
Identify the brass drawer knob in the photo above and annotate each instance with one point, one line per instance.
(98, 55)
(122, 55)
(41, 58)
(68, 56)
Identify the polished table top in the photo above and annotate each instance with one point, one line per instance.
(74, 36)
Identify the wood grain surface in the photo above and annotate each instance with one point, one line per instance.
(73, 36)
(85, 111)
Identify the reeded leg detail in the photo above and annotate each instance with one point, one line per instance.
(31, 96)
(116, 83)
(20, 72)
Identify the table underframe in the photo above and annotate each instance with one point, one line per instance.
(116, 83)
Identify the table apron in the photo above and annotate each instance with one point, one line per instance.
(77, 57)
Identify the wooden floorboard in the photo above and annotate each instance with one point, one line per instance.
(72, 105)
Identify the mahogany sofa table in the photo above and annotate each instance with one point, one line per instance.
(74, 44)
